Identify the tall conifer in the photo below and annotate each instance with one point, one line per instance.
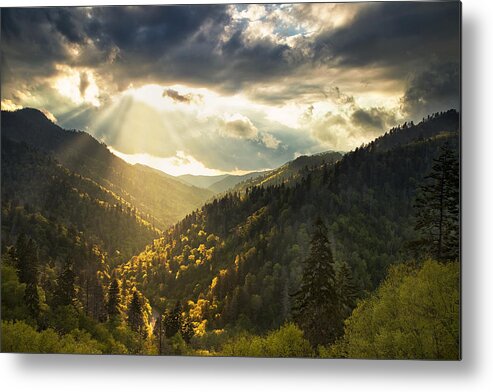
(437, 206)
(317, 305)
(135, 314)
(114, 300)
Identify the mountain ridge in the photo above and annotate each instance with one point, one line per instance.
(165, 198)
(235, 260)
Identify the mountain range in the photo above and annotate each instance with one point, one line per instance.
(237, 261)
(231, 257)
(162, 197)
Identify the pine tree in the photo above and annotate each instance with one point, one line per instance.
(347, 290)
(114, 300)
(31, 297)
(173, 321)
(26, 255)
(158, 333)
(135, 314)
(98, 309)
(27, 259)
(437, 205)
(65, 293)
(317, 305)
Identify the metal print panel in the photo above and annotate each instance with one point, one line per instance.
(271, 180)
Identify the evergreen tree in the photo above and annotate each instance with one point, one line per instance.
(347, 290)
(173, 321)
(26, 255)
(437, 207)
(31, 297)
(65, 293)
(158, 333)
(98, 309)
(27, 259)
(135, 314)
(114, 300)
(317, 305)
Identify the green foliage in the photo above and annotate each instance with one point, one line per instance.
(241, 255)
(186, 330)
(438, 208)
(65, 293)
(414, 314)
(136, 315)
(56, 197)
(287, 341)
(173, 321)
(64, 318)
(318, 309)
(114, 300)
(19, 337)
(346, 289)
(230, 266)
(154, 197)
(13, 305)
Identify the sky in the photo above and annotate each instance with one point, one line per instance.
(213, 89)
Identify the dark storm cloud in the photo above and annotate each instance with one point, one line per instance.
(187, 43)
(397, 34)
(373, 118)
(435, 89)
(382, 53)
(29, 44)
(151, 43)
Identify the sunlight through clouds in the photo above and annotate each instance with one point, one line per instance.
(177, 165)
(78, 86)
(233, 81)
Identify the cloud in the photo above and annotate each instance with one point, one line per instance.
(293, 77)
(183, 98)
(84, 83)
(270, 141)
(373, 118)
(9, 105)
(225, 47)
(238, 126)
(435, 89)
(49, 115)
(349, 128)
(394, 34)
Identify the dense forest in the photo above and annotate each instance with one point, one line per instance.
(161, 196)
(353, 255)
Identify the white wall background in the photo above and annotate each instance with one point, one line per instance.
(473, 373)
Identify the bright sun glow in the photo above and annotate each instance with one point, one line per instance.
(162, 97)
(79, 86)
(175, 166)
(150, 94)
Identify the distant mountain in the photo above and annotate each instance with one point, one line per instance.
(290, 172)
(162, 197)
(237, 260)
(232, 180)
(201, 181)
(220, 183)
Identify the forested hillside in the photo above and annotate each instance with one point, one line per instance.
(237, 262)
(330, 228)
(165, 199)
(235, 276)
(37, 191)
(291, 172)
